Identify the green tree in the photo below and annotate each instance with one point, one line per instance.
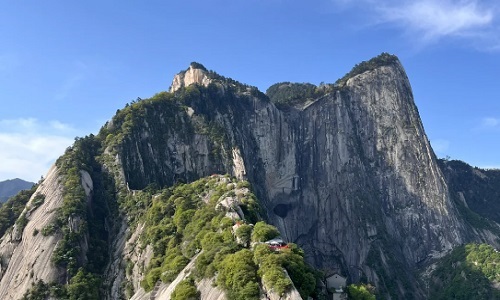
(244, 233)
(238, 275)
(84, 286)
(360, 292)
(186, 290)
(263, 232)
(11, 210)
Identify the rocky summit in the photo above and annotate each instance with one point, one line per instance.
(342, 174)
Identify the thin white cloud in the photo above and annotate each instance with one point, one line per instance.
(490, 123)
(60, 126)
(30, 146)
(428, 21)
(437, 19)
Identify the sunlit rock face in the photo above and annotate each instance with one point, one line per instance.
(193, 75)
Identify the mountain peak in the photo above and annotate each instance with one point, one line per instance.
(383, 59)
(195, 74)
(196, 65)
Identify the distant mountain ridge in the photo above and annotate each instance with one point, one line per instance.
(10, 187)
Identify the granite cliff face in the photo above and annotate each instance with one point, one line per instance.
(348, 174)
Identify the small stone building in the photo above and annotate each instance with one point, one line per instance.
(336, 282)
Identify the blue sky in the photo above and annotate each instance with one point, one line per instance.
(67, 66)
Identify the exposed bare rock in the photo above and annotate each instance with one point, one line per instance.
(115, 272)
(28, 260)
(128, 261)
(238, 164)
(232, 206)
(209, 291)
(193, 75)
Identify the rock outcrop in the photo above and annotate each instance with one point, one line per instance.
(195, 74)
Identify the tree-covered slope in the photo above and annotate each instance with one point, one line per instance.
(218, 218)
(383, 59)
(470, 271)
(285, 94)
(12, 208)
(476, 188)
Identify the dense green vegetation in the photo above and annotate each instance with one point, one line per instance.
(42, 291)
(285, 94)
(238, 275)
(378, 61)
(264, 232)
(176, 224)
(361, 292)
(186, 290)
(196, 65)
(187, 221)
(467, 273)
(11, 210)
(272, 267)
(83, 286)
(76, 158)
